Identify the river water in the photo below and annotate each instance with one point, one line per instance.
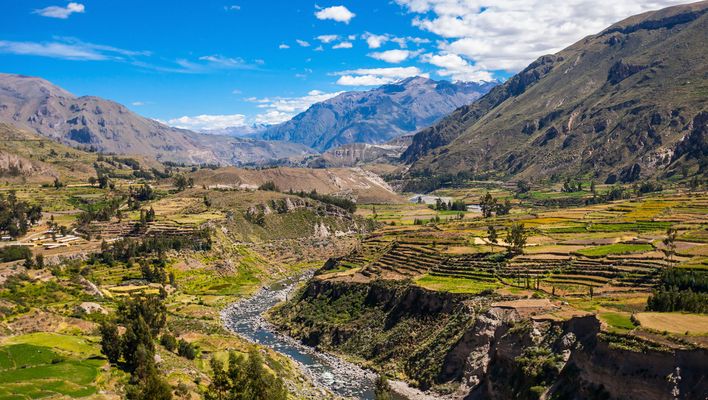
(245, 319)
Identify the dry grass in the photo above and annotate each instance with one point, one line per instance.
(694, 324)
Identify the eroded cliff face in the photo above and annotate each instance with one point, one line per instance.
(466, 347)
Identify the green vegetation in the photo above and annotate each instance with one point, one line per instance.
(617, 248)
(245, 379)
(455, 285)
(16, 216)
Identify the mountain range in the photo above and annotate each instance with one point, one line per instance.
(88, 121)
(628, 102)
(376, 116)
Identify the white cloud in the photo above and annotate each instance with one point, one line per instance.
(283, 46)
(68, 49)
(509, 34)
(225, 62)
(280, 109)
(335, 13)
(327, 38)
(457, 68)
(138, 103)
(375, 41)
(319, 48)
(343, 45)
(208, 122)
(233, 7)
(61, 12)
(394, 56)
(376, 76)
(302, 43)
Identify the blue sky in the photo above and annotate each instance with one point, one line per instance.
(210, 64)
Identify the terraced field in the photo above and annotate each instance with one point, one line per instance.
(606, 248)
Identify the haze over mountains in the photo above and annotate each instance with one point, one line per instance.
(378, 115)
(630, 101)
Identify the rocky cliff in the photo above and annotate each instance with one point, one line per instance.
(475, 347)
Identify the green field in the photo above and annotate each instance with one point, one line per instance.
(618, 248)
(46, 366)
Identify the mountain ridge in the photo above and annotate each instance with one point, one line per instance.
(376, 116)
(614, 107)
(89, 121)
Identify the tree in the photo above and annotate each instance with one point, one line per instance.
(503, 208)
(168, 341)
(516, 238)
(670, 243)
(186, 349)
(492, 236)
(111, 345)
(522, 187)
(245, 380)
(92, 180)
(487, 204)
(220, 386)
(180, 182)
(382, 390)
(57, 183)
(137, 336)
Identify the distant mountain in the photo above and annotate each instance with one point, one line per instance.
(358, 154)
(629, 102)
(245, 131)
(376, 116)
(38, 105)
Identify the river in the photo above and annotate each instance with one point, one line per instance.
(245, 319)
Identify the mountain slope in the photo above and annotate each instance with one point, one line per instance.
(628, 102)
(378, 115)
(36, 104)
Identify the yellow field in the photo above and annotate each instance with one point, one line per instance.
(694, 324)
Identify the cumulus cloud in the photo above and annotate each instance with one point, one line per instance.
(281, 109)
(343, 45)
(393, 56)
(283, 46)
(208, 122)
(376, 76)
(375, 41)
(327, 38)
(335, 13)
(457, 68)
(61, 12)
(508, 35)
(303, 43)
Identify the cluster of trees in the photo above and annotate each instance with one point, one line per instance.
(269, 186)
(182, 182)
(516, 236)
(101, 211)
(244, 379)
(489, 205)
(457, 205)
(572, 186)
(426, 181)
(340, 202)
(134, 351)
(681, 290)
(17, 216)
(147, 216)
(14, 253)
(126, 249)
